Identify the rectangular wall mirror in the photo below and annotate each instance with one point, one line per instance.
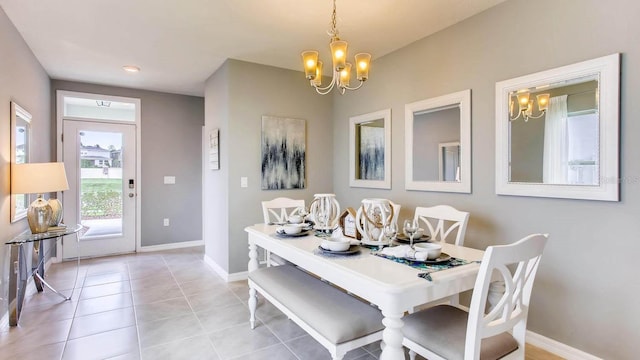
(370, 150)
(557, 132)
(20, 143)
(438, 143)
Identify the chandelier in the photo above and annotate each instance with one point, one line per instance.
(525, 105)
(341, 68)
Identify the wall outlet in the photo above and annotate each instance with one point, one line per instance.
(165, 222)
(169, 180)
(244, 182)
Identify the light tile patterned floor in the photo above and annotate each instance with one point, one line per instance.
(162, 305)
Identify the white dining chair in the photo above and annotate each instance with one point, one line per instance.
(441, 222)
(448, 332)
(278, 210)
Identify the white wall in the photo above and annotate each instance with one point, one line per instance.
(587, 286)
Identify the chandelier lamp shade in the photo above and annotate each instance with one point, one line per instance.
(341, 69)
(526, 105)
(39, 178)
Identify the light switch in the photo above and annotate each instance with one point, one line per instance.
(170, 180)
(244, 182)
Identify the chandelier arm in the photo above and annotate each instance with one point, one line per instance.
(517, 117)
(537, 117)
(325, 90)
(353, 88)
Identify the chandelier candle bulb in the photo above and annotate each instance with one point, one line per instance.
(362, 66)
(318, 79)
(339, 51)
(543, 102)
(345, 75)
(310, 61)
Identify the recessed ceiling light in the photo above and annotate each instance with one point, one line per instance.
(131, 68)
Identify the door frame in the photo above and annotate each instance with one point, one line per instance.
(60, 95)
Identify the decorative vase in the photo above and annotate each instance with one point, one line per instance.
(56, 212)
(38, 215)
(371, 218)
(325, 211)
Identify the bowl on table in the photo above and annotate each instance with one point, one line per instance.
(336, 244)
(295, 219)
(292, 229)
(433, 250)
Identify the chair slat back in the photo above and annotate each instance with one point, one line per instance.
(279, 209)
(441, 215)
(512, 309)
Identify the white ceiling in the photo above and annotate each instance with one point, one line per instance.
(178, 44)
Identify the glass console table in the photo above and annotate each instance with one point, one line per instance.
(27, 257)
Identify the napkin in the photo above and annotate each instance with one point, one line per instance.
(404, 251)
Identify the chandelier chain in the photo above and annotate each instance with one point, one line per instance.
(334, 27)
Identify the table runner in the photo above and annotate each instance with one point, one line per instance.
(431, 268)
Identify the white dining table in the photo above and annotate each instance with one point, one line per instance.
(394, 287)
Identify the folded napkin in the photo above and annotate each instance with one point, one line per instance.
(405, 252)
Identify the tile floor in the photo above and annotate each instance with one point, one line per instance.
(162, 305)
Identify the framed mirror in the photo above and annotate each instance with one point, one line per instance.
(438, 143)
(370, 150)
(20, 143)
(557, 132)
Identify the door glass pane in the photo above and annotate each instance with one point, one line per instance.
(101, 183)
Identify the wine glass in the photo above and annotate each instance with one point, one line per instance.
(410, 228)
(323, 219)
(303, 212)
(390, 231)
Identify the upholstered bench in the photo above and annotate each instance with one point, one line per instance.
(339, 321)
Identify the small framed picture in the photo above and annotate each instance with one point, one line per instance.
(214, 148)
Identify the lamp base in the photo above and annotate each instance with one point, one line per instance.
(38, 215)
(56, 212)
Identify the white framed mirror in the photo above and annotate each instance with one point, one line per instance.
(370, 150)
(557, 132)
(438, 143)
(20, 144)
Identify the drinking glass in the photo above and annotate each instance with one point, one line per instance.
(390, 232)
(410, 228)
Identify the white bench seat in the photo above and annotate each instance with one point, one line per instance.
(339, 321)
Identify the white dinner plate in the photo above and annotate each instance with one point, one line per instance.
(442, 258)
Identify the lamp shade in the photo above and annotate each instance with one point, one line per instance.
(38, 178)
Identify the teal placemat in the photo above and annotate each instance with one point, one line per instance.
(431, 268)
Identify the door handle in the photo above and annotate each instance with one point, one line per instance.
(131, 195)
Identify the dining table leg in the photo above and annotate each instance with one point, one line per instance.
(253, 297)
(392, 335)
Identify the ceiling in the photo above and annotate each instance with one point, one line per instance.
(178, 44)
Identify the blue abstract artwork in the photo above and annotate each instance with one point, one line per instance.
(283, 153)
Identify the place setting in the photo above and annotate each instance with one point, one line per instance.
(421, 255)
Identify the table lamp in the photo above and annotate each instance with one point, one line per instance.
(38, 178)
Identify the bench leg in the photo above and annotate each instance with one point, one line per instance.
(253, 303)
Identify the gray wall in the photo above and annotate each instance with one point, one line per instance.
(248, 91)
(171, 129)
(587, 286)
(23, 80)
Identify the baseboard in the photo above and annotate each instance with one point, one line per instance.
(223, 274)
(172, 246)
(558, 348)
